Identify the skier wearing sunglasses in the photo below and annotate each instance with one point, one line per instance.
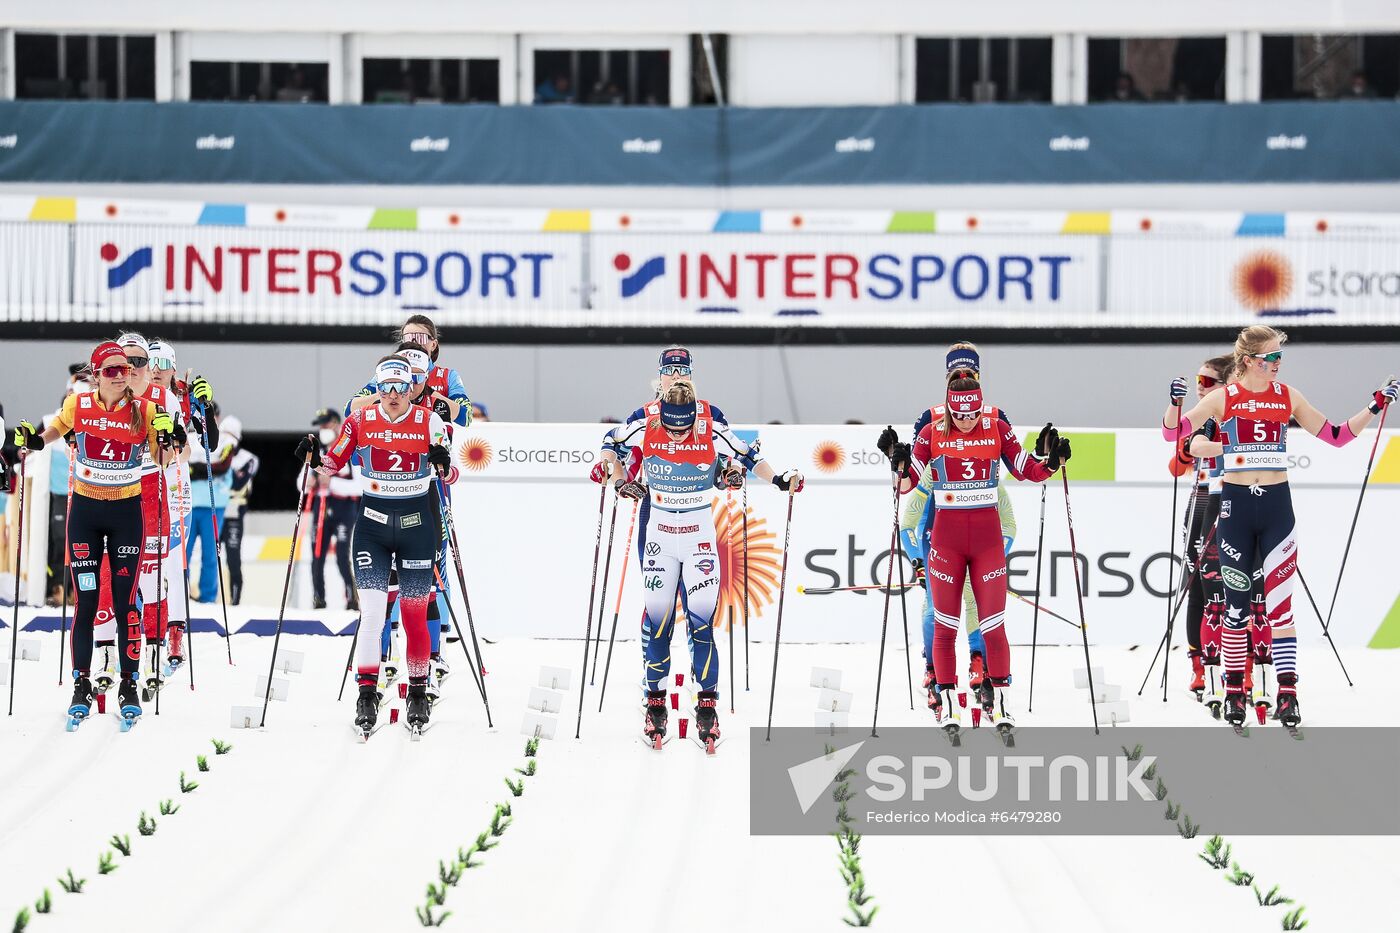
(1246, 423)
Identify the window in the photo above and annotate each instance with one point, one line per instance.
(1157, 69)
(611, 76)
(982, 70)
(98, 67)
(292, 82)
(702, 83)
(432, 80)
(1330, 67)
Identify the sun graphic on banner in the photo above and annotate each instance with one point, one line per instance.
(764, 557)
(475, 454)
(1262, 280)
(828, 456)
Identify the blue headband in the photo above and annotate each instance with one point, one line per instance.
(964, 358)
(677, 417)
(675, 356)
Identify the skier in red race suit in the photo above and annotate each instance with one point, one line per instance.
(966, 449)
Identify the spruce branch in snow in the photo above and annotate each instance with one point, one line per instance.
(72, 885)
(842, 793)
(842, 815)
(221, 748)
(426, 918)
(1216, 854)
(44, 904)
(21, 920)
(829, 750)
(1239, 877)
(449, 875)
(437, 894)
(516, 788)
(1160, 791)
(483, 842)
(187, 787)
(1272, 898)
(464, 857)
(505, 808)
(106, 864)
(1133, 755)
(1149, 772)
(861, 920)
(167, 808)
(1293, 920)
(1188, 829)
(528, 770)
(121, 843)
(1173, 811)
(146, 826)
(531, 747)
(498, 828)
(201, 762)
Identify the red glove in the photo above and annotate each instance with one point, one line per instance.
(599, 473)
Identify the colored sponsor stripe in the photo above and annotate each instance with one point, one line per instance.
(1086, 222)
(1093, 454)
(568, 222)
(1388, 467)
(1388, 635)
(1261, 225)
(277, 548)
(739, 222)
(394, 218)
(912, 222)
(223, 215)
(58, 209)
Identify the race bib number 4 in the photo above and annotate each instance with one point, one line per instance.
(102, 450)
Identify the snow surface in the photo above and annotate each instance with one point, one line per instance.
(301, 828)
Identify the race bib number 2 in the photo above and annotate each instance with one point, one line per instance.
(392, 461)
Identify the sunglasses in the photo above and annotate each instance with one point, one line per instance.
(393, 388)
(675, 370)
(966, 416)
(137, 362)
(1274, 357)
(1206, 382)
(162, 364)
(964, 374)
(421, 339)
(114, 372)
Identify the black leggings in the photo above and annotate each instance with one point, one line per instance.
(1202, 561)
(113, 527)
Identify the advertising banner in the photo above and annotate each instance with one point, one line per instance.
(907, 280)
(527, 517)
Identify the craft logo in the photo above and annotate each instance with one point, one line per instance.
(829, 456)
(475, 454)
(1263, 280)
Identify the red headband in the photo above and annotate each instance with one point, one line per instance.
(965, 403)
(104, 350)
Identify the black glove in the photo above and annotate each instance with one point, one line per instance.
(1059, 455)
(1046, 441)
(440, 458)
(444, 410)
(1206, 430)
(731, 476)
(631, 490)
(181, 437)
(28, 436)
(900, 457)
(918, 578)
(888, 438)
(791, 481)
(309, 446)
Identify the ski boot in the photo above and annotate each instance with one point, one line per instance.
(352, 601)
(707, 720)
(176, 659)
(654, 727)
(81, 707)
(1236, 702)
(1214, 694)
(318, 602)
(997, 711)
(1198, 674)
(418, 710)
(153, 681)
(931, 688)
(440, 668)
(976, 672)
(946, 713)
(129, 702)
(366, 710)
(1287, 711)
(235, 591)
(107, 669)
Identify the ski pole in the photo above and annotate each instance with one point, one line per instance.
(885, 622)
(1325, 631)
(185, 581)
(161, 523)
(286, 588)
(19, 569)
(466, 597)
(898, 554)
(1035, 616)
(729, 548)
(218, 547)
(824, 591)
(1079, 596)
(350, 659)
(778, 632)
(617, 610)
(452, 614)
(1171, 563)
(592, 593)
(1346, 552)
(603, 597)
(320, 524)
(744, 504)
(1161, 643)
(1188, 580)
(67, 570)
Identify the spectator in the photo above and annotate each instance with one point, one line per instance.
(554, 90)
(480, 412)
(1125, 89)
(296, 90)
(1359, 88)
(243, 468)
(336, 501)
(59, 458)
(202, 517)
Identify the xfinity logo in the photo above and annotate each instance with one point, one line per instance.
(214, 142)
(429, 144)
(854, 144)
(643, 146)
(1283, 141)
(1069, 144)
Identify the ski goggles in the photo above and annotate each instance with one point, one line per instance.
(1275, 357)
(114, 372)
(675, 370)
(138, 362)
(393, 388)
(161, 363)
(421, 339)
(1206, 382)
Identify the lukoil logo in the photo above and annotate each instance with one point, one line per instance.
(1003, 277)
(231, 268)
